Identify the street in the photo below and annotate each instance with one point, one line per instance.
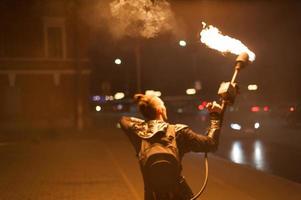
(102, 165)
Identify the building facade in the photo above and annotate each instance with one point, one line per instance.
(44, 68)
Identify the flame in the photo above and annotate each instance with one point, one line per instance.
(214, 39)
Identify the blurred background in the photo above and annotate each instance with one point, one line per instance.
(73, 66)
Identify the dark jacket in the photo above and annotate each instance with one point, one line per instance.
(187, 141)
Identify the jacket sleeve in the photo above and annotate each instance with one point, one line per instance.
(189, 140)
(127, 125)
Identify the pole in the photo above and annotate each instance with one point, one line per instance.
(79, 104)
(138, 66)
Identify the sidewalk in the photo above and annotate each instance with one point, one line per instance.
(106, 169)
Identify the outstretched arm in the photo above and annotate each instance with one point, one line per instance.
(189, 140)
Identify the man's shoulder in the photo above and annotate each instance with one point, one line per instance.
(179, 127)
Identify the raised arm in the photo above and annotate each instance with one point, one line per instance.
(189, 140)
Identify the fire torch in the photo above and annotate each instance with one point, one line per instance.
(214, 39)
(228, 90)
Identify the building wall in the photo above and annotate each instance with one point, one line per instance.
(44, 70)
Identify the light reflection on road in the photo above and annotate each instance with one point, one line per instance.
(241, 154)
(258, 155)
(236, 153)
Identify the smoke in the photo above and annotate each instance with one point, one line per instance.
(140, 18)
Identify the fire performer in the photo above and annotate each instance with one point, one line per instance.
(160, 146)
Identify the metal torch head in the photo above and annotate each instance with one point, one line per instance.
(242, 60)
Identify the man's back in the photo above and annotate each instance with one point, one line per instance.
(138, 131)
(186, 140)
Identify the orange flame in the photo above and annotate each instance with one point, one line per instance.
(214, 39)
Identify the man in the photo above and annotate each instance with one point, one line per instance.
(154, 111)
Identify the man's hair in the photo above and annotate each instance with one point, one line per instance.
(147, 105)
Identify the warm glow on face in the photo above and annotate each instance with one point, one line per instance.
(214, 39)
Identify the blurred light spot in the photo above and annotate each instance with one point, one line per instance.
(292, 109)
(96, 98)
(201, 107)
(252, 87)
(119, 107)
(255, 109)
(98, 108)
(119, 95)
(118, 125)
(190, 91)
(256, 125)
(109, 98)
(117, 61)
(266, 108)
(235, 126)
(182, 43)
(180, 110)
(236, 154)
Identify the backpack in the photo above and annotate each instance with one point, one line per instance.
(159, 160)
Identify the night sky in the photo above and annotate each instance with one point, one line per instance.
(271, 29)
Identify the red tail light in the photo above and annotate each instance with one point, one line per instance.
(201, 107)
(255, 109)
(266, 108)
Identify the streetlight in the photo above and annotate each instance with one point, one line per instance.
(182, 43)
(190, 91)
(119, 95)
(118, 61)
(98, 108)
(252, 87)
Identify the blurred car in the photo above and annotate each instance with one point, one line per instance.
(246, 119)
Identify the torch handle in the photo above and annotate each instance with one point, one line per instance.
(234, 75)
(224, 102)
